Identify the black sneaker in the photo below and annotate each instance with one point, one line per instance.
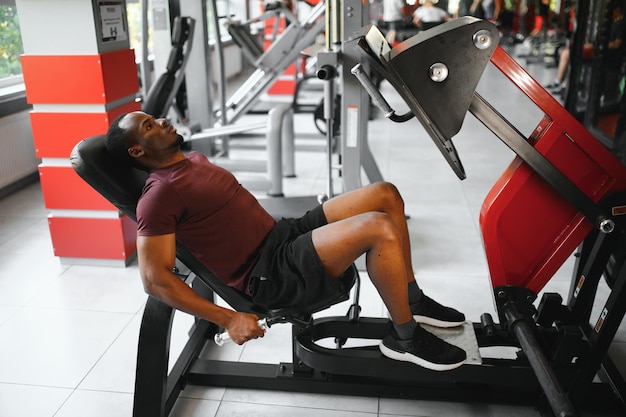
(424, 349)
(428, 311)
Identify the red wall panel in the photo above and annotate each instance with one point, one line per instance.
(114, 64)
(80, 79)
(56, 134)
(92, 238)
(63, 189)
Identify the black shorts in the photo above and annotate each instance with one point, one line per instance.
(289, 272)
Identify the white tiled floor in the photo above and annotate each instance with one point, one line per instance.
(68, 334)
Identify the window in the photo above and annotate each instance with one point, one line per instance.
(133, 13)
(10, 45)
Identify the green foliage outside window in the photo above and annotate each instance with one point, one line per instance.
(10, 43)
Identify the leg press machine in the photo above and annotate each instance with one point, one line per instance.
(563, 193)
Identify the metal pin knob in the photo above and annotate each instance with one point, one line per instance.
(482, 39)
(607, 226)
(438, 72)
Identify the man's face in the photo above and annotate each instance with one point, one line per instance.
(152, 136)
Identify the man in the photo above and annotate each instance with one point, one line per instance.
(291, 262)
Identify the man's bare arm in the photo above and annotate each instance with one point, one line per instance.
(157, 255)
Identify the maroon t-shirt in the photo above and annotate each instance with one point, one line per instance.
(210, 212)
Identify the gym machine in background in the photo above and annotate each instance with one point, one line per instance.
(594, 90)
(170, 95)
(349, 148)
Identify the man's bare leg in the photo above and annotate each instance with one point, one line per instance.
(381, 197)
(351, 233)
(384, 197)
(340, 243)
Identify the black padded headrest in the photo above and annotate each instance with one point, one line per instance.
(117, 182)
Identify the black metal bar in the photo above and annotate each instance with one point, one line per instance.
(495, 122)
(581, 256)
(524, 330)
(155, 390)
(177, 378)
(299, 367)
(417, 384)
(601, 333)
(592, 268)
(152, 360)
(612, 376)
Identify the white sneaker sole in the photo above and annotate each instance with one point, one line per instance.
(434, 322)
(407, 357)
(437, 323)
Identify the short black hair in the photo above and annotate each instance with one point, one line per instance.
(117, 142)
